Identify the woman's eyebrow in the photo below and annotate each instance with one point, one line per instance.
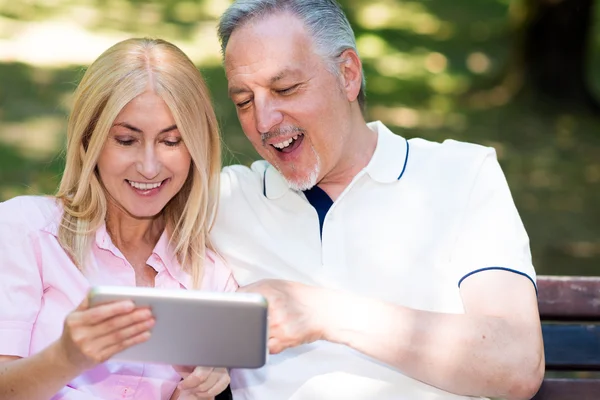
(138, 130)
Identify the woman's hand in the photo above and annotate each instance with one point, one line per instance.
(200, 383)
(93, 335)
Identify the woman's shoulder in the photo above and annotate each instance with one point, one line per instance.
(30, 212)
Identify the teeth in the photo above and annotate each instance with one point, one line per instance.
(285, 143)
(145, 186)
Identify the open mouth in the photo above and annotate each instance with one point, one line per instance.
(290, 144)
(146, 187)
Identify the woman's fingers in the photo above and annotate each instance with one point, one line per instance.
(98, 314)
(219, 386)
(121, 336)
(113, 349)
(196, 378)
(93, 335)
(210, 382)
(204, 383)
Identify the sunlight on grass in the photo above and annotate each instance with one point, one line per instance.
(214, 8)
(436, 62)
(478, 62)
(592, 173)
(446, 83)
(36, 43)
(383, 85)
(371, 46)
(36, 138)
(419, 63)
(410, 118)
(398, 65)
(187, 11)
(7, 27)
(387, 61)
(406, 15)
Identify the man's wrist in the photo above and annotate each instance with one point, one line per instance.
(333, 314)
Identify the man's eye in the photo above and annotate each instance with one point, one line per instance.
(242, 104)
(287, 90)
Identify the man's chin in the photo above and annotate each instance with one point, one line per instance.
(301, 183)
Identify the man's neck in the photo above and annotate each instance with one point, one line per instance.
(355, 157)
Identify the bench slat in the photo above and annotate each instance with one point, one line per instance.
(564, 298)
(563, 389)
(572, 347)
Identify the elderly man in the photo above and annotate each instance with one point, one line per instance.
(394, 268)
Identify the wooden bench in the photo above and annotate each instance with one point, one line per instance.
(570, 312)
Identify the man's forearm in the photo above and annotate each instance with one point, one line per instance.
(458, 353)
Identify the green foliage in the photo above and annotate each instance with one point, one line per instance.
(433, 70)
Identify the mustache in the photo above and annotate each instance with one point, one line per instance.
(280, 132)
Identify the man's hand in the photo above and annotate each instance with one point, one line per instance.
(200, 383)
(295, 315)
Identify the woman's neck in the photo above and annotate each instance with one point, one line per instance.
(127, 231)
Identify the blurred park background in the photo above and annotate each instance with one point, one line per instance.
(522, 76)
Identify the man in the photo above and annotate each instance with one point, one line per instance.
(394, 269)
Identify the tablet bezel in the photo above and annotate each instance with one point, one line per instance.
(197, 328)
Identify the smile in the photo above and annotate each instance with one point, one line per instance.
(287, 143)
(145, 186)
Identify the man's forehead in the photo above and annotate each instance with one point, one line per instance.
(271, 36)
(239, 83)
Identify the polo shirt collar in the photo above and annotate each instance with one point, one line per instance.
(390, 157)
(275, 185)
(387, 164)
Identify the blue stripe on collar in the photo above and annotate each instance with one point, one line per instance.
(405, 160)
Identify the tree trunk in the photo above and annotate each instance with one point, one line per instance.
(555, 50)
(549, 56)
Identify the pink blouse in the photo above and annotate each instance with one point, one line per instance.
(40, 285)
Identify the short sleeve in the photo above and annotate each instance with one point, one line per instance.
(491, 234)
(21, 287)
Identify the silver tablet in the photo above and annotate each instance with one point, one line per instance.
(196, 328)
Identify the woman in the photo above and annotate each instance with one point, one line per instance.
(134, 207)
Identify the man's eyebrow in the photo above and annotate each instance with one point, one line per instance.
(138, 130)
(237, 90)
(280, 75)
(283, 74)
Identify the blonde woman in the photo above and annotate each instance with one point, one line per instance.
(135, 205)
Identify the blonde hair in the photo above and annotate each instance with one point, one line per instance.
(120, 74)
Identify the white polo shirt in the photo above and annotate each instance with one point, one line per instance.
(419, 218)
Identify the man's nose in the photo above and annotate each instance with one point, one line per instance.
(267, 114)
(149, 164)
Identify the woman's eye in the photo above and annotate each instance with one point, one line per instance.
(172, 143)
(125, 142)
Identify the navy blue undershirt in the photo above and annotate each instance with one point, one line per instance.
(321, 202)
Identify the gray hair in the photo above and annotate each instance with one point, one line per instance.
(324, 19)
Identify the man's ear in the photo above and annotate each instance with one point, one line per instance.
(351, 73)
